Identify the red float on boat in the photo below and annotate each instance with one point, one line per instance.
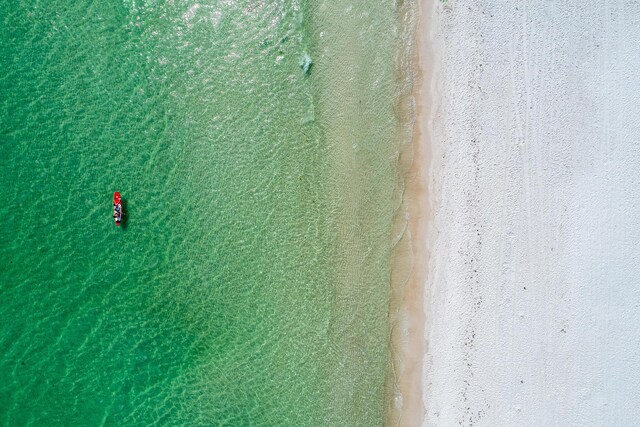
(117, 208)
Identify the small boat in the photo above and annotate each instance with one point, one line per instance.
(117, 208)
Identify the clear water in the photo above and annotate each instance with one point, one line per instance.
(255, 144)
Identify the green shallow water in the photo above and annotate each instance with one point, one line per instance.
(249, 284)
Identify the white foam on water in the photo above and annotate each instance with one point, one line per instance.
(216, 16)
(306, 62)
(191, 12)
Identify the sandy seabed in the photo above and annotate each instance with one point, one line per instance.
(532, 294)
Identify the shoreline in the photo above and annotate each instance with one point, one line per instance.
(411, 255)
(367, 133)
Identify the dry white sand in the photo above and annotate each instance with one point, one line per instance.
(533, 295)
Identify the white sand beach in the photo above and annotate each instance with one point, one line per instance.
(533, 290)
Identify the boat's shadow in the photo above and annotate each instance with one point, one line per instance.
(125, 214)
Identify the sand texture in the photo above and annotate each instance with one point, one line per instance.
(533, 291)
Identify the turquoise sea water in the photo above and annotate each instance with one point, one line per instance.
(255, 144)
